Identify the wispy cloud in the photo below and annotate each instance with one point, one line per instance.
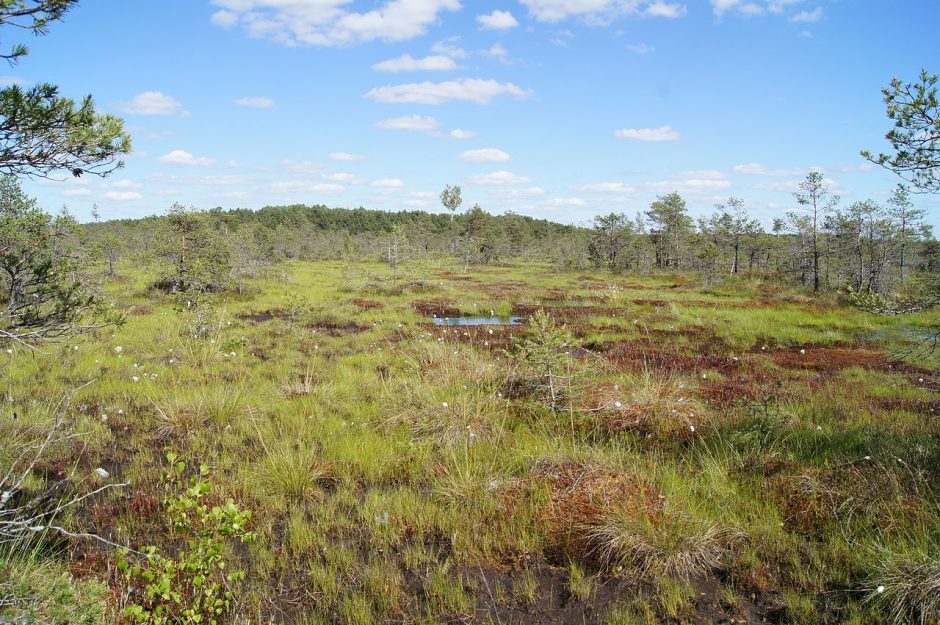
(601, 11)
(346, 156)
(328, 22)
(407, 63)
(256, 102)
(152, 103)
(663, 133)
(409, 122)
(474, 90)
(485, 155)
(499, 178)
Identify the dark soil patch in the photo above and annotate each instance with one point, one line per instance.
(261, 317)
(332, 328)
(552, 603)
(436, 308)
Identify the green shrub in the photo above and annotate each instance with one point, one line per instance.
(194, 586)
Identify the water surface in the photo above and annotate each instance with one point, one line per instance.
(477, 321)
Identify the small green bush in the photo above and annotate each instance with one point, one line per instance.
(193, 587)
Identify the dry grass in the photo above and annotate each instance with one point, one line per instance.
(906, 586)
(653, 402)
(665, 541)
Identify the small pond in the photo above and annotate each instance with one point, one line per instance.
(477, 321)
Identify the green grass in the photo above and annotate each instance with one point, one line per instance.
(389, 464)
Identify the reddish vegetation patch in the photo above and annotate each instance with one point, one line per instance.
(436, 308)
(817, 358)
(636, 355)
(726, 392)
(493, 337)
(750, 304)
(555, 295)
(650, 302)
(450, 275)
(916, 406)
(579, 495)
(565, 312)
(504, 290)
(367, 304)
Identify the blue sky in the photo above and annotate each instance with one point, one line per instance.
(552, 108)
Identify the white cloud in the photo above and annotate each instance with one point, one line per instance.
(756, 169)
(753, 8)
(342, 176)
(640, 48)
(226, 180)
(663, 133)
(152, 103)
(484, 155)
(498, 20)
(182, 157)
(295, 186)
(524, 193)
(80, 192)
(346, 156)
(808, 16)
(664, 9)
(496, 51)
(257, 102)
(122, 196)
(124, 184)
(305, 168)
(608, 187)
(225, 19)
(474, 90)
(327, 22)
(601, 11)
(788, 186)
(566, 202)
(499, 177)
(778, 6)
(696, 182)
(457, 133)
(418, 123)
(407, 63)
(449, 47)
(388, 183)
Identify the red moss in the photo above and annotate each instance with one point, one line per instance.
(367, 304)
(817, 358)
(436, 308)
